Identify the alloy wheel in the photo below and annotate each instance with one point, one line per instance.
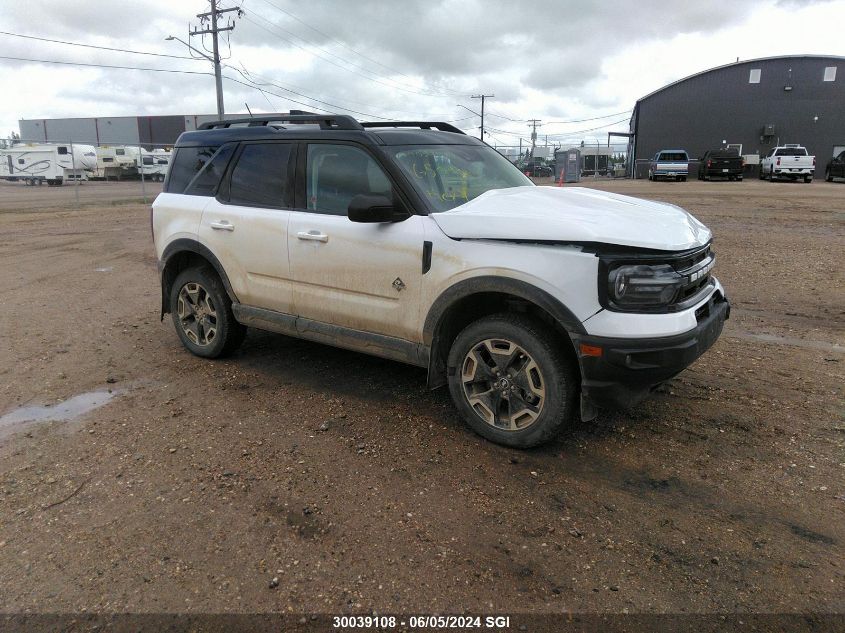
(503, 384)
(197, 314)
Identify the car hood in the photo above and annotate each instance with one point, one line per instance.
(573, 214)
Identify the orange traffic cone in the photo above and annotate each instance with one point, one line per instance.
(560, 179)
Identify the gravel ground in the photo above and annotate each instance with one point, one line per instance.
(196, 483)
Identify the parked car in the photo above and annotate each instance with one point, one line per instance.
(835, 168)
(670, 164)
(537, 168)
(418, 243)
(721, 163)
(790, 162)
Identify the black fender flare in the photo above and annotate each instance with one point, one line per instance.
(486, 284)
(186, 245)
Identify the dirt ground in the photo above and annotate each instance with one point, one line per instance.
(344, 478)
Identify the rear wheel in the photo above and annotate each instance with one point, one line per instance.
(511, 381)
(202, 314)
(808, 179)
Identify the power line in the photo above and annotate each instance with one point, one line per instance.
(53, 61)
(247, 75)
(376, 77)
(340, 43)
(103, 48)
(595, 118)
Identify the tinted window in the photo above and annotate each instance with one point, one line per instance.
(791, 151)
(108, 159)
(62, 151)
(260, 177)
(188, 164)
(337, 173)
(673, 156)
(148, 160)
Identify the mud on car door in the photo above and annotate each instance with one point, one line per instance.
(360, 275)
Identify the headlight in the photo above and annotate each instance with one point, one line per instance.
(644, 286)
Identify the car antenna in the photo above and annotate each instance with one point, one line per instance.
(247, 108)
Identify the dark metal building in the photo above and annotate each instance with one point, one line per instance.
(149, 131)
(754, 105)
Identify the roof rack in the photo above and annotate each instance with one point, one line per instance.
(425, 125)
(325, 121)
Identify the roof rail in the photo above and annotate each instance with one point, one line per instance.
(325, 121)
(425, 125)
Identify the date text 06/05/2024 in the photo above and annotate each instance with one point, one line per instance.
(421, 622)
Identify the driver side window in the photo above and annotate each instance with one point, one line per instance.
(337, 173)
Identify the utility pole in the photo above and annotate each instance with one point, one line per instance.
(213, 30)
(533, 123)
(482, 97)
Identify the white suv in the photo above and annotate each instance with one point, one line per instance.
(417, 243)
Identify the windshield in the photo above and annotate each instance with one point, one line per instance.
(450, 175)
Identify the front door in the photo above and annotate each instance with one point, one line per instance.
(246, 225)
(363, 276)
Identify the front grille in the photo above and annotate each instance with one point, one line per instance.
(697, 269)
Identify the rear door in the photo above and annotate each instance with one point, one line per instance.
(363, 276)
(246, 224)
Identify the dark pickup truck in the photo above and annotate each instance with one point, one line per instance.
(721, 163)
(835, 168)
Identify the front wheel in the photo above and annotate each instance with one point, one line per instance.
(511, 381)
(827, 175)
(202, 314)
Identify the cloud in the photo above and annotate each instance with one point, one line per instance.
(406, 59)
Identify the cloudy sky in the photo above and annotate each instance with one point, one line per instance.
(566, 63)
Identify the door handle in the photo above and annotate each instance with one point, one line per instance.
(222, 225)
(316, 236)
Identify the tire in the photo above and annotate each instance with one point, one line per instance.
(216, 333)
(534, 373)
(808, 179)
(683, 178)
(827, 175)
(739, 178)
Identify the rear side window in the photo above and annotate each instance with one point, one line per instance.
(260, 176)
(674, 156)
(197, 171)
(791, 151)
(337, 173)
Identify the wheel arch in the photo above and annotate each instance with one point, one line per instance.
(181, 254)
(474, 298)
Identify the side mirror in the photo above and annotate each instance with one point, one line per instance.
(364, 208)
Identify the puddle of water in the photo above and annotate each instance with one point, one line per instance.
(105, 269)
(61, 412)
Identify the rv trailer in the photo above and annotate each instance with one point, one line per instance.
(53, 163)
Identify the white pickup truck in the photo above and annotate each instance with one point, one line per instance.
(788, 161)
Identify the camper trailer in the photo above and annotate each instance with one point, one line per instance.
(154, 164)
(53, 163)
(116, 162)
